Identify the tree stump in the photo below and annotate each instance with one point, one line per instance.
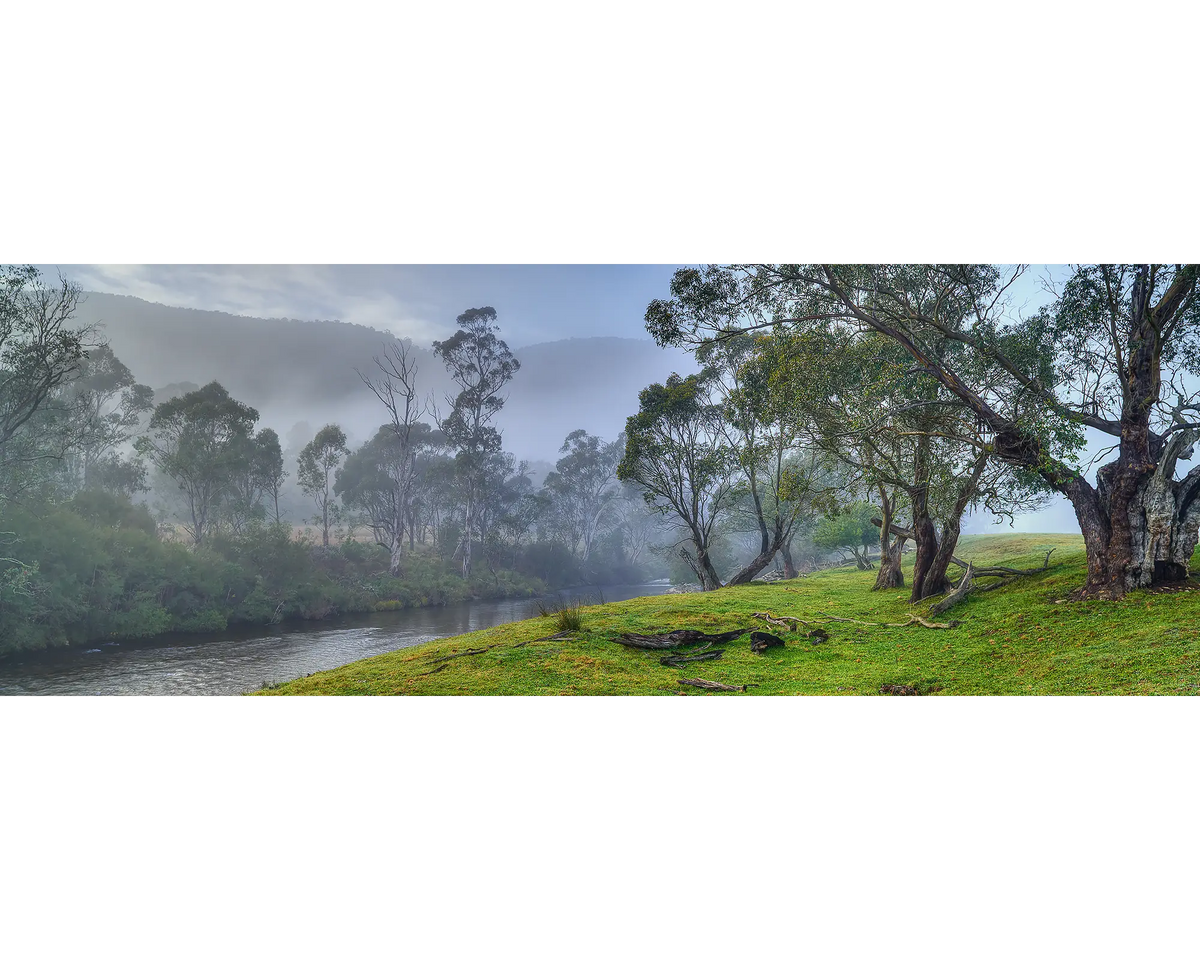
(760, 641)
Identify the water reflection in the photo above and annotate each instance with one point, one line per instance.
(236, 662)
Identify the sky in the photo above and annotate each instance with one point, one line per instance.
(534, 303)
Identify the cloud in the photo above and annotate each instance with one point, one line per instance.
(362, 295)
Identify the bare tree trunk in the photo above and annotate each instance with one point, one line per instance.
(933, 553)
(772, 543)
(702, 567)
(891, 551)
(890, 575)
(789, 565)
(394, 550)
(466, 559)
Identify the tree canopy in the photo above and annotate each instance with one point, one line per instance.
(1115, 352)
(200, 441)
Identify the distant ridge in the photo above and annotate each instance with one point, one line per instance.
(297, 370)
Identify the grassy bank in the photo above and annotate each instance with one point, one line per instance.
(1015, 640)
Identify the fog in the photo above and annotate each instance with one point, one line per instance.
(296, 372)
(577, 331)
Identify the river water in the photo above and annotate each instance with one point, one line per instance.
(235, 662)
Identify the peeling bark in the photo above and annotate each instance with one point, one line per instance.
(891, 551)
(1164, 518)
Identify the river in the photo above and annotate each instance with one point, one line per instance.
(238, 661)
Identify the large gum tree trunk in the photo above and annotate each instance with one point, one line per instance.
(929, 566)
(935, 554)
(1152, 523)
(708, 574)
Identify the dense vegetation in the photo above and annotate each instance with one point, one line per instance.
(127, 512)
(101, 572)
(1026, 639)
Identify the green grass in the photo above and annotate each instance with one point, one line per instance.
(1015, 640)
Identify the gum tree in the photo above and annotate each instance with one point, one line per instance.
(316, 469)
(1117, 352)
(481, 364)
(675, 451)
(199, 440)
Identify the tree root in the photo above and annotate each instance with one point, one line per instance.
(782, 623)
(911, 621)
(967, 585)
(465, 653)
(957, 595)
(553, 636)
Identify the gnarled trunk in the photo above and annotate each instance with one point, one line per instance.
(891, 550)
(929, 571)
(1140, 525)
(702, 567)
(1164, 521)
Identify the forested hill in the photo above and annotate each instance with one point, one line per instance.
(297, 370)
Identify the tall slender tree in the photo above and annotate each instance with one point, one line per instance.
(394, 384)
(316, 470)
(481, 364)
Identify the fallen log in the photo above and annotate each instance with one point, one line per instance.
(676, 638)
(784, 623)
(997, 571)
(679, 661)
(713, 685)
(1009, 571)
(957, 595)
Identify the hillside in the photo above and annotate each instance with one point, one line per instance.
(294, 370)
(1021, 639)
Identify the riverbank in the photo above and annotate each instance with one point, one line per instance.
(98, 571)
(1021, 639)
(243, 659)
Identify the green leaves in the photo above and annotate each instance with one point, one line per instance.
(201, 440)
